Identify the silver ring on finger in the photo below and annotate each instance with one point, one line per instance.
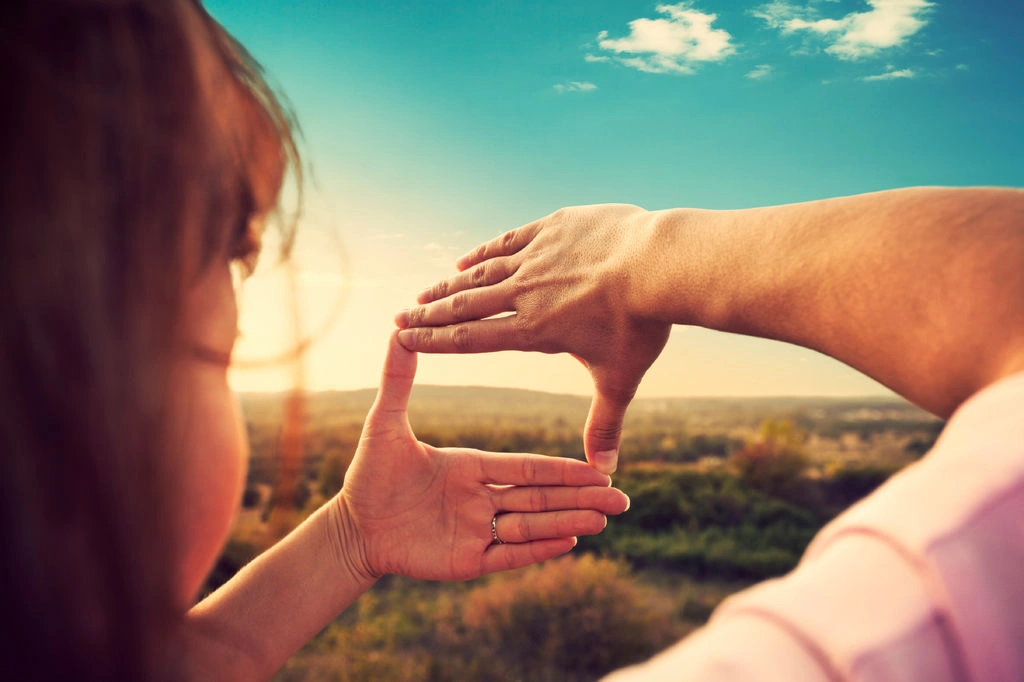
(494, 531)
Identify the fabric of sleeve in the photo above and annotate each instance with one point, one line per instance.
(922, 580)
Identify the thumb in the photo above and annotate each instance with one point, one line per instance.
(396, 379)
(603, 432)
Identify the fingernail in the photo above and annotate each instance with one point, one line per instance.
(606, 461)
(402, 319)
(574, 541)
(406, 337)
(628, 503)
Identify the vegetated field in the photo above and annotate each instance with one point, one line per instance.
(725, 492)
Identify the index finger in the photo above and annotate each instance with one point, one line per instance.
(529, 469)
(505, 245)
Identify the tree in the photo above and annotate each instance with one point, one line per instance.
(774, 460)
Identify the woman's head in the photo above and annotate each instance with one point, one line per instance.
(141, 150)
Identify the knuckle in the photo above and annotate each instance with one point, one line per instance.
(416, 316)
(628, 393)
(540, 499)
(559, 216)
(424, 337)
(521, 285)
(607, 431)
(529, 469)
(461, 338)
(480, 275)
(525, 331)
(441, 289)
(458, 305)
(564, 524)
(524, 527)
(508, 239)
(620, 390)
(622, 396)
(481, 252)
(503, 269)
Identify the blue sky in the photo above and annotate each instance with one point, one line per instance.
(433, 126)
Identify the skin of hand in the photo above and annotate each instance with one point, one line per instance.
(567, 278)
(426, 512)
(918, 288)
(406, 508)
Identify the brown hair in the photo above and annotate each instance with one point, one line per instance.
(139, 140)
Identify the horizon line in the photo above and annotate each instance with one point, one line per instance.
(752, 396)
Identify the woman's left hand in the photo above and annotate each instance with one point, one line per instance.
(427, 512)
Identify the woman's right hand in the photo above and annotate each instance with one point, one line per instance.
(571, 280)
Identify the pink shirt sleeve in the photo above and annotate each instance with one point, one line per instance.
(922, 580)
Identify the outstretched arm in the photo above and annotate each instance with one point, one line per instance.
(922, 289)
(405, 508)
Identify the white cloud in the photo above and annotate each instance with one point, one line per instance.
(675, 43)
(819, 26)
(890, 74)
(777, 13)
(887, 24)
(596, 58)
(759, 71)
(575, 86)
(961, 67)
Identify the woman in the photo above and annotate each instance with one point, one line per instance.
(142, 154)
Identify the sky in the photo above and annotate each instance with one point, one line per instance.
(429, 127)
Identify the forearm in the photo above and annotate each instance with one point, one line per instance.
(249, 627)
(921, 289)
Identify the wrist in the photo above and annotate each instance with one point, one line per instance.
(673, 281)
(349, 545)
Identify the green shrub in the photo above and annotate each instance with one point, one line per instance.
(569, 619)
(850, 483)
(775, 461)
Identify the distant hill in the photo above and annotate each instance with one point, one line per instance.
(462, 404)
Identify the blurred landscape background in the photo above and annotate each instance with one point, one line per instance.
(725, 492)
